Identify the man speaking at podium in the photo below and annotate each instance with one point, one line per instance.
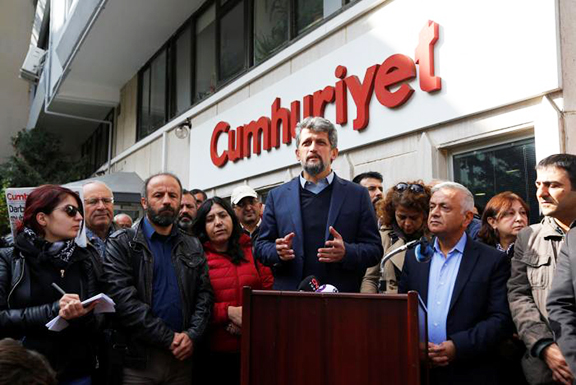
(464, 288)
(318, 224)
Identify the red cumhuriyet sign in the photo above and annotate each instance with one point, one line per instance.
(396, 71)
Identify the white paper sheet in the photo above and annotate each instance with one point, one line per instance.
(106, 305)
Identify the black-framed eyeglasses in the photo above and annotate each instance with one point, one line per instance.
(94, 201)
(415, 188)
(70, 210)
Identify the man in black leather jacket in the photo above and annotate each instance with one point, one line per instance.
(158, 278)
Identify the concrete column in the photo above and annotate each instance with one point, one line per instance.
(567, 10)
(427, 158)
(548, 130)
(15, 27)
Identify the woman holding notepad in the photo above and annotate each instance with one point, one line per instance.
(44, 254)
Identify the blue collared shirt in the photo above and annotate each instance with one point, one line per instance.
(316, 188)
(166, 301)
(443, 273)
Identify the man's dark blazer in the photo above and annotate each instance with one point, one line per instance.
(351, 214)
(478, 317)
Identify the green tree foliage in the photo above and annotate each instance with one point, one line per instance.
(4, 222)
(38, 159)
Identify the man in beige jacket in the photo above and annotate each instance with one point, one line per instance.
(533, 266)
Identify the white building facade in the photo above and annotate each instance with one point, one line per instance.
(475, 92)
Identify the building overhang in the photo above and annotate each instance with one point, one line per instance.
(95, 52)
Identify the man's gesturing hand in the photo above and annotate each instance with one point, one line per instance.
(334, 250)
(284, 247)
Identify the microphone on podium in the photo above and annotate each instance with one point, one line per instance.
(423, 253)
(310, 283)
(327, 289)
(424, 250)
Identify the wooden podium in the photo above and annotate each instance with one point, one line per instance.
(298, 338)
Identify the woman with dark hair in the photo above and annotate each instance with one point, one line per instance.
(503, 218)
(45, 253)
(231, 267)
(402, 215)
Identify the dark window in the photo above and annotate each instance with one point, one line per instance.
(95, 148)
(507, 167)
(232, 42)
(219, 42)
(270, 27)
(153, 100)
(144, 112)
(205, 53)
(158, 91)
(183, 71)
(311, 12)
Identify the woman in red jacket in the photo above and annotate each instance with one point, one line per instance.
(232, 266)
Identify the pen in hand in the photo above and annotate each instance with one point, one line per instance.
(65, 313)
(55, 286)
(60, 290)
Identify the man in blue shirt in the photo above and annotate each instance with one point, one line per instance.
(158, 278)
(464, 287)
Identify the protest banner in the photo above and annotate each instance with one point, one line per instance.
(16, 202)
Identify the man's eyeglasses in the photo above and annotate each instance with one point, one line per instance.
(70, 210)
(415, 188)
(94, 201)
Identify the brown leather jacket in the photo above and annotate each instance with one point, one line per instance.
(535, 254)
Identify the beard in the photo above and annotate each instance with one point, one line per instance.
(313, 169)
(163, 217)
(185, 222)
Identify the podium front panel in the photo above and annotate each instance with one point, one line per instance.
(310, 338)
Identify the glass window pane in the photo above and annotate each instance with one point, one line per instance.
(331, 6)
(232, 42)
(158, 92)
(101, 145)
(205, 76)
(145, 104)
(183, 71)
(270, 27)
(90, 146)
(310, 12)
(508, 167)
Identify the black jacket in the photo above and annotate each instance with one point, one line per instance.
(128, 277)
(478, 318)
(23, 314)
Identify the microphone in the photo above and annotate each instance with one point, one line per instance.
(327, 289)
(310, 283)
(423, 253)
(424, 250)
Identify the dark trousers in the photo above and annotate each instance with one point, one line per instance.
(162, 368)
(218, 368)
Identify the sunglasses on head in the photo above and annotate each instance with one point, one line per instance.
(70, 210)
(415, 188)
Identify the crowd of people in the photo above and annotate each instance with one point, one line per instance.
(500, 293)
